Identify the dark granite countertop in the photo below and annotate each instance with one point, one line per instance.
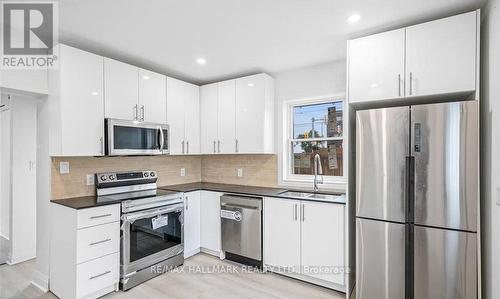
(253, 190)
(84, 202)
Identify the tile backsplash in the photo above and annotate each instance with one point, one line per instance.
(258, 170)
(74, 184)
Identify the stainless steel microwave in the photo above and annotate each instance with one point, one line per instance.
(127, 138)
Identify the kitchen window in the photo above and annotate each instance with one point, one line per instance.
(314, 127)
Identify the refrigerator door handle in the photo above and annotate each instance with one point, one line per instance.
(410, 189)
(409, 261)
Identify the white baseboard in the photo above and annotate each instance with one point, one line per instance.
(19, 259)
(211, 252)
(190, 254)
(40, 281)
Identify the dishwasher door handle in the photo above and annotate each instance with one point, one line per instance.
(238, 206)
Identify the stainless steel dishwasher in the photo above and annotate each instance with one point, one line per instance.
(241, 227)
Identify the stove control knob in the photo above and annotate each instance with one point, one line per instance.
(103, 178)
(146, 174)
(152, 174)
(111, 177)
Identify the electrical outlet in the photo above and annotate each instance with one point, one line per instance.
(63, 167)
(240, 172)
(90, 180)
(183, 171)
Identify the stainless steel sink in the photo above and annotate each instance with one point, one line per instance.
(295, 194)
(316, 196)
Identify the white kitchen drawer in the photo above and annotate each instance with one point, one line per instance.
(98, 215)
(97, 274)
(96, 241)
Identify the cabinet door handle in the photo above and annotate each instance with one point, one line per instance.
(135, 112)
(303, 212)
(102, 145)
(218, 146)
(214, 147)
(187, 203)
(399, 84)
(187, 147)
(237, 145)
(182, 146)
(99, 242)
(142, 113)
(411, 83)
(295, 212)
(99, 275)
(100, 216)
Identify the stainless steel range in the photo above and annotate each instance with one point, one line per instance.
(152, 224)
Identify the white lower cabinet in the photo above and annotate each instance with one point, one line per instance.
(210, 222)
(84, 251)
(305, 240)
(192, 225)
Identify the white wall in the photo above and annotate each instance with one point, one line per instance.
(41, 275)
(308, 82)
(5, 163)
(23, 202)
(490, 128)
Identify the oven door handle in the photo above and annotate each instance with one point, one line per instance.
(131, 217)
(162, 138)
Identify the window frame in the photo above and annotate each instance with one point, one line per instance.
(287, 177)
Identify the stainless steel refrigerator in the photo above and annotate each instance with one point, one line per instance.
(417, 192)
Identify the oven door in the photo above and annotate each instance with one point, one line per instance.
(151, 236)
(126, 137)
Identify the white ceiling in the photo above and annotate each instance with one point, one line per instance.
(236, 37)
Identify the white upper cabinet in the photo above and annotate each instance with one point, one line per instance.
(237, 116)
(183, 116)
(192, 118)
(441, 56)
(76, 104)
(121, 90)
(254, 116)
(208, 118)
(226, 125)
(175, 115)
(434, 58)
(153, 96)
(376, 66)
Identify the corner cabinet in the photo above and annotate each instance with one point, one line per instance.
(183, 116)
(75, 109)
(237, 116)
(437, 58)
(305, 240)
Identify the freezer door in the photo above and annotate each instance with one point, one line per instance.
(445, 144)
(382, 145)
(445, 264)
(380, 259)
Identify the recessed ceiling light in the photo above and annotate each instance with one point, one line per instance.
(145, 77)
(354, 18)
(201, 61)
(94, 93)
(250, 84)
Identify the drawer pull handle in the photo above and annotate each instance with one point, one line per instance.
(99, 242)
(99, 275)
(100, 216)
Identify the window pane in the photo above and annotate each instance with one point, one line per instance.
(317, 121)
(329, 151)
